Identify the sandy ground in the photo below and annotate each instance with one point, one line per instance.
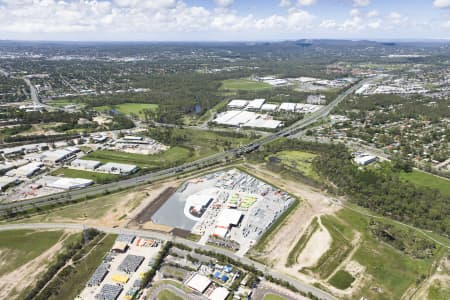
(29, 272)
(317, 245)
(313, 203)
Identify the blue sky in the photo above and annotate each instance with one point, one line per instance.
(223, 20)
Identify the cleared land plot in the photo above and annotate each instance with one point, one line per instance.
(129, 108)
(342, 280)
(427, 180)
(339, 249)
(84, 268)
(390, 271)
(95, 176)
(300, 245)
(18, 247)
(173, 156)
(244, 85)
(299, 161)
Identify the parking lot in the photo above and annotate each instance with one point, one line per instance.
(120, 274)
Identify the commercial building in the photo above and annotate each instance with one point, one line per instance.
(364, 160)
(255, 104)
(287, 106)
(237, 104)
(198, 283)
(27, 170)
(116, 168)
(7, 182)
(67, 183)
(85, 164)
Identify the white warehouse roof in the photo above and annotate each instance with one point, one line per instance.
(85, 164)
(219, 293)
(287, 106)
(269, 107)
(238, 103)
(117, 168)
(365, 159)
(228, 217)
(256, 104)
(199, 283)
(69, 183)
(26, 170)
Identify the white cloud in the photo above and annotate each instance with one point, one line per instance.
(375, 24)
(397, 18)
(224, 3)
(285, 3)
(306, 2)
(441, 3)
(373, 13)
(361, 3)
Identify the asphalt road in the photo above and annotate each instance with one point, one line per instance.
(167, 237)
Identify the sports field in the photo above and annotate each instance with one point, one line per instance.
(244, 85)
(128, 108)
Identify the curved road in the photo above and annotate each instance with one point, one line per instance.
(167, 237)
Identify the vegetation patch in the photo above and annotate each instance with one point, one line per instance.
(342, 280)
(273, 297)
(169, 158)
(18, 247)
(100, 178)
(244, 85)
(339, 249)
(168, 295)
(438, 291)
(297, 162)
(301, 243)
(426, 180)
(134, 109)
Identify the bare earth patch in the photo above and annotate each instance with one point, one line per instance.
(317, 246)
(28, 272)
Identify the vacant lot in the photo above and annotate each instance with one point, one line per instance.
(299, 161)
(173, 156)
(129, 108)
(168, 295)
(342, 280)
(84, 268)
(18, 247)
(95, 176)
(244, 85)
(273, 297)
(427, 180)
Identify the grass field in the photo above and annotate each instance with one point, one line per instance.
(299, 161)
(18, 247)
(168, 295)
(92, 209)
(84, 269)
(438, 291)
(129, 108)
(273, 297)
(244, 85)
(342, 280)
(301, 243)
(339, 249)
(391, 270)
(164, 159)
(427, 180)
(95, 176)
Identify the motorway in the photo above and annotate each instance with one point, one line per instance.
(167, 237)
(188, 167)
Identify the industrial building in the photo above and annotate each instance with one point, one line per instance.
(116, 168)
(364, 160)
(255, 104)
(269, 107)
(7, 182)
(219, 293)
(316, 99)
(287, 106)
(239, 104)
(67, 183)
(54, 157)
(240, 118)
(85, 164)
(198, 282)
(28, 170)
